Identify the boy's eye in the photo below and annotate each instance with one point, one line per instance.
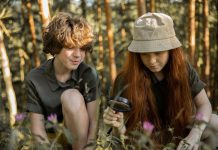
(86, 47)
(69, 48)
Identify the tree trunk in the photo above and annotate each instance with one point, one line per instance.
(191, 40)
(45, 16)
(215, 102)
(152, 5)
(206, 49)
(112, 66)
(8, 81)
(24, 24)
(141, 7)
(44, 12)
(88, 58)
(215, 69)
(22, 62)
(100, 44)
(123, 31)
(33, 34)
(23, 56)
(83, 6)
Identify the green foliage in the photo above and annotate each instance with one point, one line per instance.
(139, 141)
(20, 138)
(124, 12)
(17, 36)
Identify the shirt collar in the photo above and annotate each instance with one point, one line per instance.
(76, 74)
(152, 76)
(154, 79)
(50, 74)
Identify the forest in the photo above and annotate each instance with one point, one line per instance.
(21, 27)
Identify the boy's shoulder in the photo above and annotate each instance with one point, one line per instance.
(39, 71)
(85, 69)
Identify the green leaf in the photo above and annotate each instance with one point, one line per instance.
(68, 135)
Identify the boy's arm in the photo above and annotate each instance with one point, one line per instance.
(92, 109)
(38, 128)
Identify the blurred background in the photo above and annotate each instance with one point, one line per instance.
(22, 22)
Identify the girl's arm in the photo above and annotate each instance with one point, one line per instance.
(204, 109)
(115, 120)
(203, 112)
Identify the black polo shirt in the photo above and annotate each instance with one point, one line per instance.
(44, 90)
(159, 88)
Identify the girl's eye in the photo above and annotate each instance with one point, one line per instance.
(144, 54)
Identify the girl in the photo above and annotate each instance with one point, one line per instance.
(161, 85)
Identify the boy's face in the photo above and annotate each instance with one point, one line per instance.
(71, 58)
(155, 61)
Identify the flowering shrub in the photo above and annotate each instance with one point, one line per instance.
(52, 118)
(199, 117)
(20, 137)
(20, 117)
(141, 140)
(148, 127)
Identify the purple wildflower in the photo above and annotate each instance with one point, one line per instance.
(20, 117)
(148, 127)
(199, 116)
(52, 118)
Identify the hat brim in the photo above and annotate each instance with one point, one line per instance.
(154, 45)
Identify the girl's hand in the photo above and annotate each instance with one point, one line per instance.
(191, 142)
(114, 119)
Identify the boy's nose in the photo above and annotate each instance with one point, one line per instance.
(76, 52)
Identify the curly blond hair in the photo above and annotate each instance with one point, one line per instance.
(67, 31)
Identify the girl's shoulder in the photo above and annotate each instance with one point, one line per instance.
(195, 82)
(192, 73)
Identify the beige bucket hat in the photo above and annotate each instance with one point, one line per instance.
(153, 32)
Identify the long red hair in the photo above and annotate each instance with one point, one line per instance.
(179, 101)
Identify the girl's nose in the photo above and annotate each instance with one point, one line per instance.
(152, 58)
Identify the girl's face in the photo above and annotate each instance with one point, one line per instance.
(70, 58)
(155, 61)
